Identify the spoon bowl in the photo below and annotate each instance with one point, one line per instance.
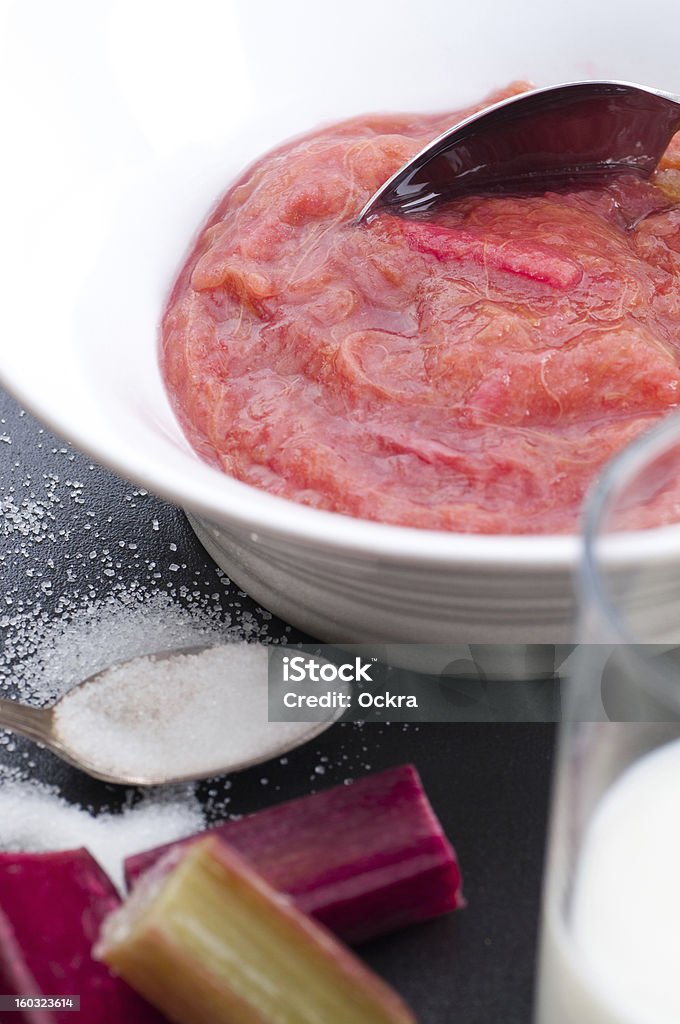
(578, 133)
(121, 718)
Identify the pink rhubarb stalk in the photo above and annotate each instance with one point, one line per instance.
(51, 908)
(363, 859)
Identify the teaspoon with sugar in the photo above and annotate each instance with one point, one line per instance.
(167, 717)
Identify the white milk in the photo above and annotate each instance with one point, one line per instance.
(621, 963)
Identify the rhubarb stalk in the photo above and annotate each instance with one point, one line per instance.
(51, 909)
(363, 859)
(210, 942)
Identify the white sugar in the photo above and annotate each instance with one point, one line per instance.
(44, 656)
(178, 716)
(34, 818)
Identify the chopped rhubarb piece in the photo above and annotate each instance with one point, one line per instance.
(539, 263)
(51, 909)
(363, 859)
(210, 942)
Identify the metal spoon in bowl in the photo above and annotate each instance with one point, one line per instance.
(133, 724)
(579, 132)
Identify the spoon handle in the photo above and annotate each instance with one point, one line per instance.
(31, 722)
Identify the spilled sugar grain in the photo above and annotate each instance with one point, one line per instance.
(35, 818)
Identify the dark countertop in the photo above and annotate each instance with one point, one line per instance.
(489, 784)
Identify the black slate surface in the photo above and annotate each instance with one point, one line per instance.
(489, 784)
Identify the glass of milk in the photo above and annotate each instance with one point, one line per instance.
(610, 942)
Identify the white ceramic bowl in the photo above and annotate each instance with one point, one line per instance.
(121, 123)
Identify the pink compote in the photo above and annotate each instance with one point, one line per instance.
(468, 370)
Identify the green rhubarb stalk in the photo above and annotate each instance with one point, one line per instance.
(210, 942)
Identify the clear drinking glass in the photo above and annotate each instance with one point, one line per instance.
(610, 937)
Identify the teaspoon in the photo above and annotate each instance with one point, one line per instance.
(152, 729)
(575, 133)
